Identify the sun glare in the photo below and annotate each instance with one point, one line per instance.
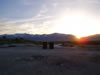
(78, 24)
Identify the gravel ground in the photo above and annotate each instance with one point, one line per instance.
(59, 61)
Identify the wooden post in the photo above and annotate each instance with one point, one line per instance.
(51, 45)
(45, 45)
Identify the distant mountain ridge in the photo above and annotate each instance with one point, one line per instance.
(95, 37)
(51, 37)
(44, 37)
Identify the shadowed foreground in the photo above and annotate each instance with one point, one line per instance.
(60, 61)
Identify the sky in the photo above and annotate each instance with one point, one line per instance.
(77, 17)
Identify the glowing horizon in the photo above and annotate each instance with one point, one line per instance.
(79, 24)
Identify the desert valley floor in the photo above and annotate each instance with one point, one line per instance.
(33, 60)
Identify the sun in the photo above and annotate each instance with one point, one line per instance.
(79, 24)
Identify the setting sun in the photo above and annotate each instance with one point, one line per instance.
(79, 24)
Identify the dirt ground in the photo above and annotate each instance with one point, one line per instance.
(32, 60)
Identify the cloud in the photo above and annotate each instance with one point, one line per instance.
(41, 15)
(42, 11)
(35, 24)
(45, 17)
(27, 2)
(7, 28)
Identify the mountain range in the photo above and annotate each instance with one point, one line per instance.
(95, 37)
(51, 37)
(42, 37)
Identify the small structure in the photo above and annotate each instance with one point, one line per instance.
(51, 45)
(45, 45)
(49, 40)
